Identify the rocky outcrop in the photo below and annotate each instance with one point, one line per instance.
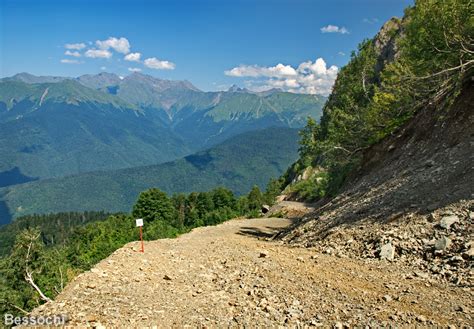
(385, 43)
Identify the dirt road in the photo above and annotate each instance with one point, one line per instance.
(229, 275)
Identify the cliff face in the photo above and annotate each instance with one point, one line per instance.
(385, 43)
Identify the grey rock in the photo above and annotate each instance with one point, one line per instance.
(443, 243)
(338, 325)
(470, 252)
(447, 221)
(387, 251)
(456, 258)
(421, 318)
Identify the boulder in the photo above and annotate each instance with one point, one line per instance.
(387, 251)
(447, 221)
(442, 243)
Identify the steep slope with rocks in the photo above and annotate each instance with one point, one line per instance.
(412, 200)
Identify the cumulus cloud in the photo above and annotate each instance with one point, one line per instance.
(98, 53)
(134, 69)
(308, 78)
(70, 61)
(255, 71)
(106, 48)
(75, 46)
(334, 29)
(72, 53)
(103, 68)
(155, 63)
(133, 57)
(120, 45)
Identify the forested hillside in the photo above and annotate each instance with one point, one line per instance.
(238, 164)
(423, 59)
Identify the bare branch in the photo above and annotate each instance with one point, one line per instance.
(29, 279)
(29, 275)
(461, 66)
(17, 308)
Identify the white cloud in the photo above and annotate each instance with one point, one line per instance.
(318, 67)
(255, 71)
(75, 46)
(72, 53)
(70, 61)
(308, 78)
(106, 49)
(120, 45)
(155, 63)
(341, 53)
(98, 53)
(334, 29)
(133, 57)
(103, 68)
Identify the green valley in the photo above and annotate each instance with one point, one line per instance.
(238, 164)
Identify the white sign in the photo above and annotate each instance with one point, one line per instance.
(139, 222)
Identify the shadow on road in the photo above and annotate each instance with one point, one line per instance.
(265, 232)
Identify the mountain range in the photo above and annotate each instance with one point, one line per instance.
(95, 126)
(57, 126)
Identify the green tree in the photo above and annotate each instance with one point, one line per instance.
(255, 198)
(308, 138)
(179, 202)
(31, 274)
(223, 197)
(274, 188)
(154, 204)
(204, 204)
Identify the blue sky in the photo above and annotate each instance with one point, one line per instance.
(213, 44)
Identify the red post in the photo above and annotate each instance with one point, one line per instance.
(141, 239)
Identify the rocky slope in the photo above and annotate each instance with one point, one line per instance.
(231, 276)
(412, 201)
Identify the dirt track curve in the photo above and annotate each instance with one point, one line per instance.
(230, 276)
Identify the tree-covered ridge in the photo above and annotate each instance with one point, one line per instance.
(55, 228)
(238, 164)
(38, 268)
(423, 59)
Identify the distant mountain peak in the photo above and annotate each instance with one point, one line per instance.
(236, 89)
(30, 78)
(101, 80)
(161, 84)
